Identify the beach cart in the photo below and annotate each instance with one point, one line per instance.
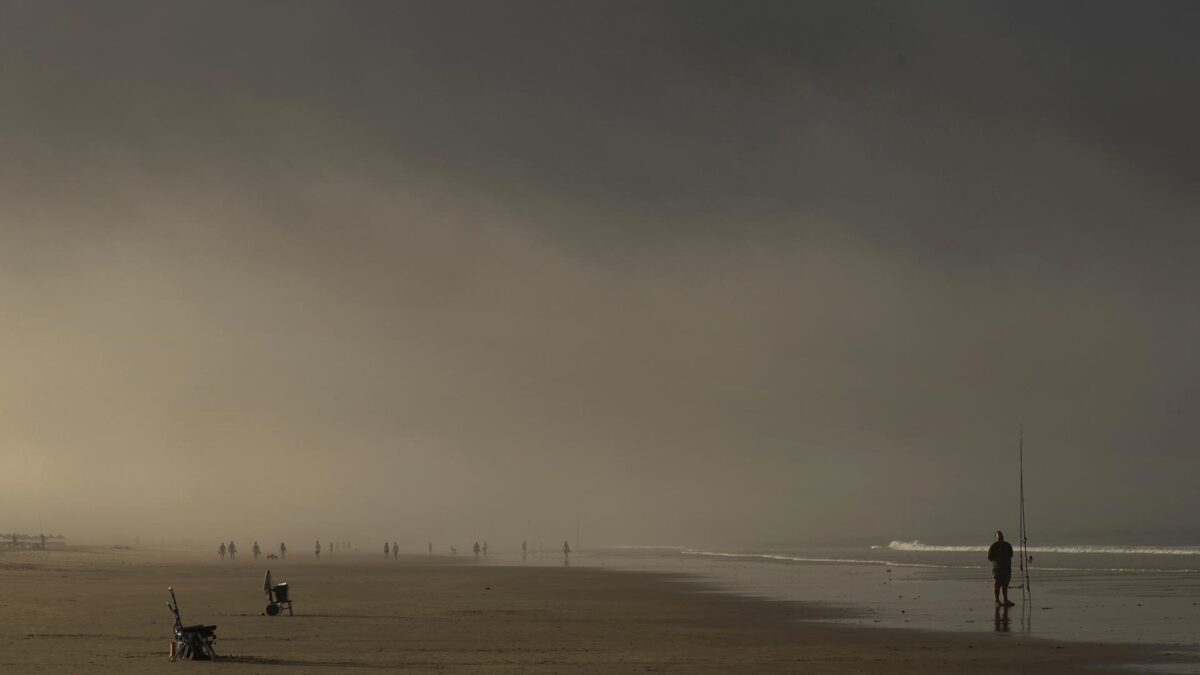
(278, 597)
(191, 642)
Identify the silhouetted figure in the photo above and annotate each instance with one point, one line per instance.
(232, 550)
(395, 550)
(317, 549)
(431, 548)
(485, 548)
(256, 550)
(524, 546)
(221, 550)
(43, 538)
(387, 550)
(1001, 554)
(566, 549)
(282, 551)
(476, 549)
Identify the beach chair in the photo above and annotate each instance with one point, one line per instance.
(191, 642)
(278, 597)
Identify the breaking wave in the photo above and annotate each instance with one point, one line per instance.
(776, 557)
(809, 559)
(919, 546)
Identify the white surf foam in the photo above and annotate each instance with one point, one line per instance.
(901, 564)
(808, 559)
(919, 546)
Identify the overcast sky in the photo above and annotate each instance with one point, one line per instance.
(668, 272)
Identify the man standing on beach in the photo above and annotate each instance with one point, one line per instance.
(1001, 554)
(395, 550)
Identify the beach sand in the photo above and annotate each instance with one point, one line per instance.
(103, 611)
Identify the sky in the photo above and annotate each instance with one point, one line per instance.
(693, 273)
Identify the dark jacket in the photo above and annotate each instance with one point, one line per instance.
(1001, 554)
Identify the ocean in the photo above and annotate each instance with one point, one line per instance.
(1096, 593)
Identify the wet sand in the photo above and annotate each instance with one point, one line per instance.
(103, 611)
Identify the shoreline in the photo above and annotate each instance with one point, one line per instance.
(104, 609)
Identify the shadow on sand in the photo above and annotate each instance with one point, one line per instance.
(260, 661)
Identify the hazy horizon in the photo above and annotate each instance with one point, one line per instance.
(667, 272)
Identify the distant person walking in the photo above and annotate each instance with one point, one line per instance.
(1001, 555)
(317, 549)
(282, 551)
(221, 550)
(387, 551)
(256, 550)
(476, 549)
(566, 548)
(395, 550)
(232, 550)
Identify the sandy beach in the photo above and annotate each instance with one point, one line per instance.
(103, 610)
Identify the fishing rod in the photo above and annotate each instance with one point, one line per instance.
(1026, 591)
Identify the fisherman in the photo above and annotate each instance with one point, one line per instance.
(282, 551)
(387, 551)
(1001, 554)
(232, 550)
(317, 549)
(221, 550)
(256, 550)
(395, 550)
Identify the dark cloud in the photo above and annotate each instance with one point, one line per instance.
(677, 270)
